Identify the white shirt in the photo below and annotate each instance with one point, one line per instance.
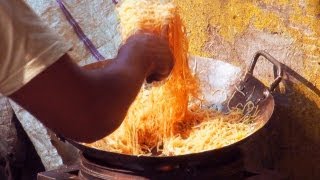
(27, 45)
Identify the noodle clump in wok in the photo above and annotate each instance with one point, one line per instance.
(163, 120)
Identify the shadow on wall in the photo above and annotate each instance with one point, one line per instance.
(299, 78)
(298, 155)
(289, 143)
(300, 130)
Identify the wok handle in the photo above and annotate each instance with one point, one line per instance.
(271, 59)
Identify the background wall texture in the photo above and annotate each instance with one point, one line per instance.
(233, 30)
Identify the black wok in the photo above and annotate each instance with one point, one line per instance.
(247, 88)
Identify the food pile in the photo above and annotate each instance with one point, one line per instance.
(164, 120)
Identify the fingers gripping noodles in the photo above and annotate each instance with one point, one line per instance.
(159, 120)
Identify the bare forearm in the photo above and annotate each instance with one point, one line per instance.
(83, 105)
(88, 105)
(116, 87)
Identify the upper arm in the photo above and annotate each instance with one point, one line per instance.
(27, 46)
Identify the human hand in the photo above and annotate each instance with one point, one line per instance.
(153, 52)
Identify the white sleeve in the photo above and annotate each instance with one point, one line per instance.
(27, 45)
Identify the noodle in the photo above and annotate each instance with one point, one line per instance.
(159, 121)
